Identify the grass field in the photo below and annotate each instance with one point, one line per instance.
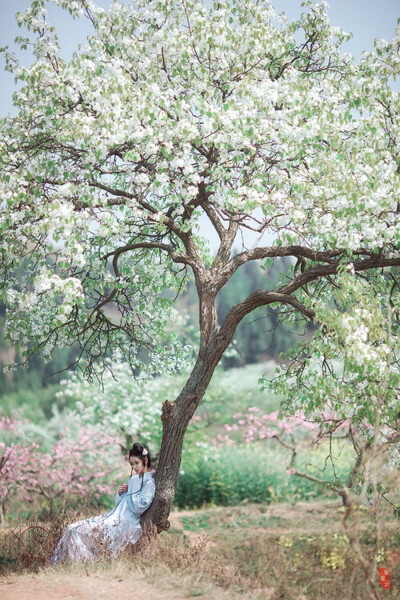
(278, 551)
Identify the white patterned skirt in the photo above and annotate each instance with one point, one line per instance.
(90, 539)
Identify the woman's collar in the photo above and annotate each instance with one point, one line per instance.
(145, 475)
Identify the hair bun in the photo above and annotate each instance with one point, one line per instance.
(141, 452)
(138, 447)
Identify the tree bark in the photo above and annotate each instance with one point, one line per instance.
(175, 419)
(2, 517)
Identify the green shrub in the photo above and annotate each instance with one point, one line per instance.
(253, 473)
(36, 404)
(223, 479)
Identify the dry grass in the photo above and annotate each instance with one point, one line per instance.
(27, 544)
(275, 552)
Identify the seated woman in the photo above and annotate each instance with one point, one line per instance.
(112, 532)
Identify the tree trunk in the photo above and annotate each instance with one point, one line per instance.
(2, 517)
(175, 419)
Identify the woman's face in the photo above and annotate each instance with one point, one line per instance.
(136, 464)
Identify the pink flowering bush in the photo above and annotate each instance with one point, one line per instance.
(80, 467)
(253, 425)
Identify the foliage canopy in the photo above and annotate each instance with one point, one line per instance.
(172, 111)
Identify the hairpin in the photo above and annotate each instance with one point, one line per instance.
(144, 451)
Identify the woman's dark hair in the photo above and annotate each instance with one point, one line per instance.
(141, 452)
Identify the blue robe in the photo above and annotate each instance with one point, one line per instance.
(112, 532)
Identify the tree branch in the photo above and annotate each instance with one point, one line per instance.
(284, 293)
(178, 258)
(212, 215)
(224, 251)
(281, 251)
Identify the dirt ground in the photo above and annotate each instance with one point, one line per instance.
(93, 587)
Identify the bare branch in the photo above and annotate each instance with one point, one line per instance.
(178, 258)
(213, 216)
(300, 252)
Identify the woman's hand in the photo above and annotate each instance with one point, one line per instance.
(123, 488)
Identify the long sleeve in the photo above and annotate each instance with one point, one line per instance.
(118, 498)
(138, 503)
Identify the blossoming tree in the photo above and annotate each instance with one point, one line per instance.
(125, 407)
(171, 114)
(69, 468)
